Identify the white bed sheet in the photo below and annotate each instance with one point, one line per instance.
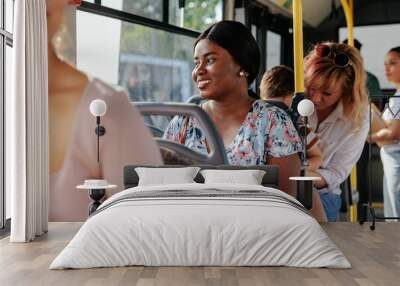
(200, 231)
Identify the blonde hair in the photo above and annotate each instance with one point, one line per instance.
(323, 72)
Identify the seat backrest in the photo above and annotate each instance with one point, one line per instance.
(217, 154)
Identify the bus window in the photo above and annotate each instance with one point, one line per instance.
(273, 49)
(153, 65)
(197, 15)
(376, 41)
(9, 20)
(146, 8)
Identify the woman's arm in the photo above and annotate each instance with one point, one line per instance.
(317, 210)
(342, 161)
(387, 134)
(314, 157)
(282, 146)
(289, 166)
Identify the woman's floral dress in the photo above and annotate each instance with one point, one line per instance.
(267, 131)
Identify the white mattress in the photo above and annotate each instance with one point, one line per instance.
(183, 231)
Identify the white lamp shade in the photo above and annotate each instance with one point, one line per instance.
(305, 107)
(98, 107)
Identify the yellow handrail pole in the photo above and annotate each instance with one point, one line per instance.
(298, 46)
(303, 190)
(349, 14)
(351, 24)
(351, 6)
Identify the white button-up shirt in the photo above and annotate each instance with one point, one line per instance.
(341, 146)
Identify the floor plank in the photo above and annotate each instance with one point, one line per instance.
(374, 255)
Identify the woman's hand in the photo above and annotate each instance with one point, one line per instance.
(319, 184)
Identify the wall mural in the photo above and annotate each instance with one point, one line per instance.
(73, 140)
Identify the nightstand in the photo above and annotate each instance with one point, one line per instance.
(97, 190)
(305, 189)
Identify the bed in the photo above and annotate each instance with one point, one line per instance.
(201, 224)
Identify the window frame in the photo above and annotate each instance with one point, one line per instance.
(6, 39)
(98, 9)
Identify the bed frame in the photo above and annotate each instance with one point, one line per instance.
(270, 179)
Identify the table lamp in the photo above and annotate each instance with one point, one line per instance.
(305, 184)
(305, 108)
(98, 108)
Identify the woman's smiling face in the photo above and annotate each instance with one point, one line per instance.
(215, 72)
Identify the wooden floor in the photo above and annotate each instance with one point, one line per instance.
(374, 255)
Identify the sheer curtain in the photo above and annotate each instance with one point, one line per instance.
(27, 173)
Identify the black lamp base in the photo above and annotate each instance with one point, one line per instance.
(96, 195)
(304, 193)
(100, 130)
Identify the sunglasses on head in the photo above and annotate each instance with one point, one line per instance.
(340, 59)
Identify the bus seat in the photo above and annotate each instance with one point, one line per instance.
(157, 132)
(217, 156)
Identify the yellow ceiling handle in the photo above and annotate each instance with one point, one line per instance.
(298, 46)
(348, 12)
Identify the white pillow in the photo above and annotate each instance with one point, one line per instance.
(248, 177)
(163, 176)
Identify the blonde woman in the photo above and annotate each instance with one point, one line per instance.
(335, 82)
(390, 154)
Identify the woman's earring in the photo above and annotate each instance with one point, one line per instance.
(243, 73)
